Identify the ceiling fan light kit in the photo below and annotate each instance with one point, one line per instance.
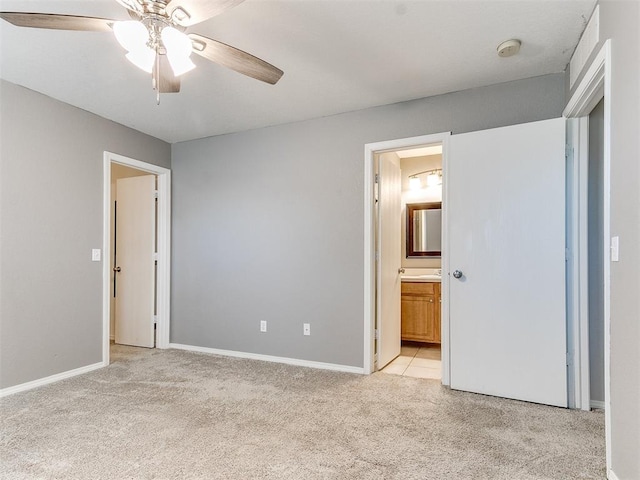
(156, 33)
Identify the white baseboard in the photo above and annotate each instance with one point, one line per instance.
(270, 358)
(47, 380)
(612, 476)
(597, 404)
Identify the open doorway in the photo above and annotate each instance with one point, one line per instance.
(420, 231)
(589, 239)
(596, 259)
(404, 316)
(145, 187)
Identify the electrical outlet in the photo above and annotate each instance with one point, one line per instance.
(306, 329)
(263, 325)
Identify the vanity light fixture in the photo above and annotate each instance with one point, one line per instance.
(434, 178)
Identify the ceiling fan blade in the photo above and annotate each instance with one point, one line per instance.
(58, 22)
(166, 81)
(190, 12)
(235, 59)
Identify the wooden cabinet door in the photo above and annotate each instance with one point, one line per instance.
(420, 311)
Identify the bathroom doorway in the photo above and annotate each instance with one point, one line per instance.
(486, 301)
(415, 347)
(421, 180)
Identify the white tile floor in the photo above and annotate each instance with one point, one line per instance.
(416, 360)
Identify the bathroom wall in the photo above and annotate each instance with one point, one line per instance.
(409, 166)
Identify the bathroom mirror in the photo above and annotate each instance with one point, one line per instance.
(424, 229)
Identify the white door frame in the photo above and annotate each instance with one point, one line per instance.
(370, 150)
(164, 248)
(594, 86)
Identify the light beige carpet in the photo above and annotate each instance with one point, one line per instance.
(170, 414)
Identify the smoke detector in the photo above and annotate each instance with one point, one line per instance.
(509, 48)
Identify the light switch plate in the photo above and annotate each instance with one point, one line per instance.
(615, 249)
(95, 255)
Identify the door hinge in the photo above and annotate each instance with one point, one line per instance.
(377, 256)
(567, 254)
(155, 319)
(377, 178)
(568, 151)
(155, 194)
(376, 334)
(569, 359)
(155, 256)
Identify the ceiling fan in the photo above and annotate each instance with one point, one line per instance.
(156, 41)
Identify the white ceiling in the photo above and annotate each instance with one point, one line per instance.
(337, 55)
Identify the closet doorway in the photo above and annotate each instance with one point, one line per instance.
(136, 269)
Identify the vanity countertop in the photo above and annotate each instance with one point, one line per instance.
(422, 275)
(421, 278)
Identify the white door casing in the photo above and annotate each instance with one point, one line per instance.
(135, 248)
(506, 221)
(593, 87)
(390, 255)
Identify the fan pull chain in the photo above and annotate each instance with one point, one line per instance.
(156, 78)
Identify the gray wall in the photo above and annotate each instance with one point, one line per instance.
(620, 21)
(51, 182)
(596, 247)
(268, 224)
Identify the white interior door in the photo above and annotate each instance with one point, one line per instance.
(390, 253)
(506, 213)
(135, 264)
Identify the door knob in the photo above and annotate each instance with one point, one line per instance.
(457, 274)
(401, 270)
(117, 269)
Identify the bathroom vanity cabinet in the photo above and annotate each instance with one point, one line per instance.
(420, 311)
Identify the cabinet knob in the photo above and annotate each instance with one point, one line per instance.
(457, 274)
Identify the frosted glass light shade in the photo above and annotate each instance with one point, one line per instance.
(178, 47)
(132, 35)
(180, 65)
(143, 58)
(414, 183)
